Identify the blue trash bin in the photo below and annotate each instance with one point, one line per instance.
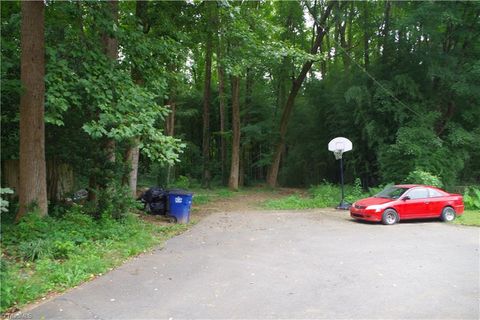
(179, 203)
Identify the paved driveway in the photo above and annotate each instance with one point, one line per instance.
(304, 264)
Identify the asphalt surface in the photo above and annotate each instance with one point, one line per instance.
(303, 264)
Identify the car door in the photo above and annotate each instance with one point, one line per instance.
(437, 202)
(418, 203)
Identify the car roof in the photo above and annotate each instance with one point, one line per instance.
(411, 186)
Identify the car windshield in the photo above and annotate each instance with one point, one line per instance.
(391, 193)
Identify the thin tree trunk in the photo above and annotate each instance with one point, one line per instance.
(170, 128)
(234, 168)
(206, 112)
(366, 37)
(287, 109)
(110, 47)
(221, 98)
(33, 175)
(132, 154)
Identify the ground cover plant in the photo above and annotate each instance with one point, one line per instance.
(469, 218)
(325, 195)
(42, 255)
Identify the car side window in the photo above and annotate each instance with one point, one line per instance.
(435, 193)
(418, 193)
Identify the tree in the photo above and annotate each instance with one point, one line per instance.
(32, 184)
(235, 164)
(110, 47)
(321, 30)
(132, 153)
(206, 97)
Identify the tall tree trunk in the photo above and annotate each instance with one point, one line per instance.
(206, 112)
(234, 168)
(287, 109)
(170, 128)
(366, 37)
(110, 47)
(221, 98)
(132, 154)
(33, 175)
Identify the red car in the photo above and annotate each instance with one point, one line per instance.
(408, 201)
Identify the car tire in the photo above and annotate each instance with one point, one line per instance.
(448, 214)
(389, 217)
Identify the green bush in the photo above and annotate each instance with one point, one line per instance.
(471, 198)
(116, 201)
(45, 254)
(424, 177)
(183, 182)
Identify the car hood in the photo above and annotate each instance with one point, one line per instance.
(371, 201)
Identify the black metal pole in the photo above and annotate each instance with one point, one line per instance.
(343, 204)
(341, 180)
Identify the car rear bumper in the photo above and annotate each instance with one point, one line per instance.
(367, 215)
(459, 209)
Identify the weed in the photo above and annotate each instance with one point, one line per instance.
(44, 254)
(469, 218)
(471, 198)
(320, 196)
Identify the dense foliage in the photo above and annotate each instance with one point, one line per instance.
(400, 79)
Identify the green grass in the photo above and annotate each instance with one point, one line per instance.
(204, 196)
(469, 218)
(321, 196)
(50, 255)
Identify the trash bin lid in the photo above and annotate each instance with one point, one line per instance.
(180, 192)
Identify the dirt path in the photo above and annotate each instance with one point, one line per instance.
(245, 200)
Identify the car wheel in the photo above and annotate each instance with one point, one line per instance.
(448, 214)
(389, 217)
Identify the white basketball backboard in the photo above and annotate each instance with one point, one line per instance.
(340, 144)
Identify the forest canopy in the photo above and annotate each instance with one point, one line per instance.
(247, 92)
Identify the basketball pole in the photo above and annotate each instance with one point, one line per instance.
(343, 205)
(341, 178)
(338, 146)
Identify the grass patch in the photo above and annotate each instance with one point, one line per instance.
(322, 196)
(469, 218)
(46, 255)
(204, 196)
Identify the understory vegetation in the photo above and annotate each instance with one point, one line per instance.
(325, 195)
(51, 254)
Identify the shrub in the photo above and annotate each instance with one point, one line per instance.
(471, 198)
(181, 183)
(44, 254)
(115, 201)
(424, 177)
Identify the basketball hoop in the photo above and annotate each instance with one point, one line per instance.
(338, 154)
(338, 146)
